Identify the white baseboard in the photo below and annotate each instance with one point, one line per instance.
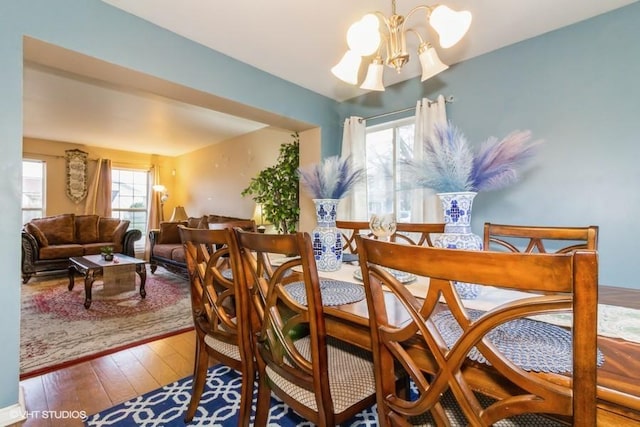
(14, 413)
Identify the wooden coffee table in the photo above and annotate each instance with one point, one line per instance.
(92, 267)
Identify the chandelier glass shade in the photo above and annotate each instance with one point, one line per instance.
(374, 34)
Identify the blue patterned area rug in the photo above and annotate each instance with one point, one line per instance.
(219, 406)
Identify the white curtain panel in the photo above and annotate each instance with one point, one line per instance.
(354, 206)
(429, 114)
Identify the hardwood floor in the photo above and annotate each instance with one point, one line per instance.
(101, 383)
(623, 297)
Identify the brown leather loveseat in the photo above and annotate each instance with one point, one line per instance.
(166, 247)
(48, 243)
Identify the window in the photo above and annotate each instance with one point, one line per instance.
(33, 187)
(386, 146)
(130, 199)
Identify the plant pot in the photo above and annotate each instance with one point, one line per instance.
(107, 257)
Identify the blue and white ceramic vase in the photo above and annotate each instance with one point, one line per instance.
(457, 234)
(327, 238)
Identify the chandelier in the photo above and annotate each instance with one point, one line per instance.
(365, 38)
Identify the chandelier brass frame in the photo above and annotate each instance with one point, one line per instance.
(366, 40)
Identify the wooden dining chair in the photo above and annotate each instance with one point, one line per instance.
(322, 379)
(409, 233)
(349, 230)
(483, 362)
(220, 311)
(526, 238)
(415, 233)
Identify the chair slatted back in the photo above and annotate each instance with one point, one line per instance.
(280, 318)
(213, 294)
(525, 238)
(407, 233)
(243, 224)
(350, 229)
(291, 344)
(437, 366)
(220, 310)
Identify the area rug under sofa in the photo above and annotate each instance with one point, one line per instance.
(56, 329)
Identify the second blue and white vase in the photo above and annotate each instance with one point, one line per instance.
(457, 234)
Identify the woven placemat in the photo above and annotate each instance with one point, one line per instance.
(401, 276)
(334, 292)
(347, 257)
(530, 344)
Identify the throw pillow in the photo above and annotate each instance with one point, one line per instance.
(87, 228)
(33, 229)
(193, 222)
(169, 232)
(204, 222)
(106, 228)
(59, 229)
(118, 233)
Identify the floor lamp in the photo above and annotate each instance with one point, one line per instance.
(164, 196)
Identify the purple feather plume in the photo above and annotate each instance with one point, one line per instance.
(332, 178)
(498, 163)
(449, 164)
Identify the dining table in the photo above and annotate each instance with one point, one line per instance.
(618, 391)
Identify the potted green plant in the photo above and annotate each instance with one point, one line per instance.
(107, 253)
(276, 188)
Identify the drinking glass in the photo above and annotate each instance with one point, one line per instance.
(383, 225)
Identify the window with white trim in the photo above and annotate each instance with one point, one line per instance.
(130, 199)
(33, 189)
(386, 146)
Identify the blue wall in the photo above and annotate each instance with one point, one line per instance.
(575, 88)
(96, 29)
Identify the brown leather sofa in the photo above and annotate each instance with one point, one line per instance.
(48, 243)
(166, 247)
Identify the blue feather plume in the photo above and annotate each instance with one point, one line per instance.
(333, 178)
(449, 164)
(446, 162)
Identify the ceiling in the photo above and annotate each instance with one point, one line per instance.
(298, 41)
(60, 106)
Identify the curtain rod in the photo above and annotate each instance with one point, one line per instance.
(57, 156)
(448, 100)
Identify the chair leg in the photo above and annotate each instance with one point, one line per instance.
(246, 395)
(200, 368)
(264, 400)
